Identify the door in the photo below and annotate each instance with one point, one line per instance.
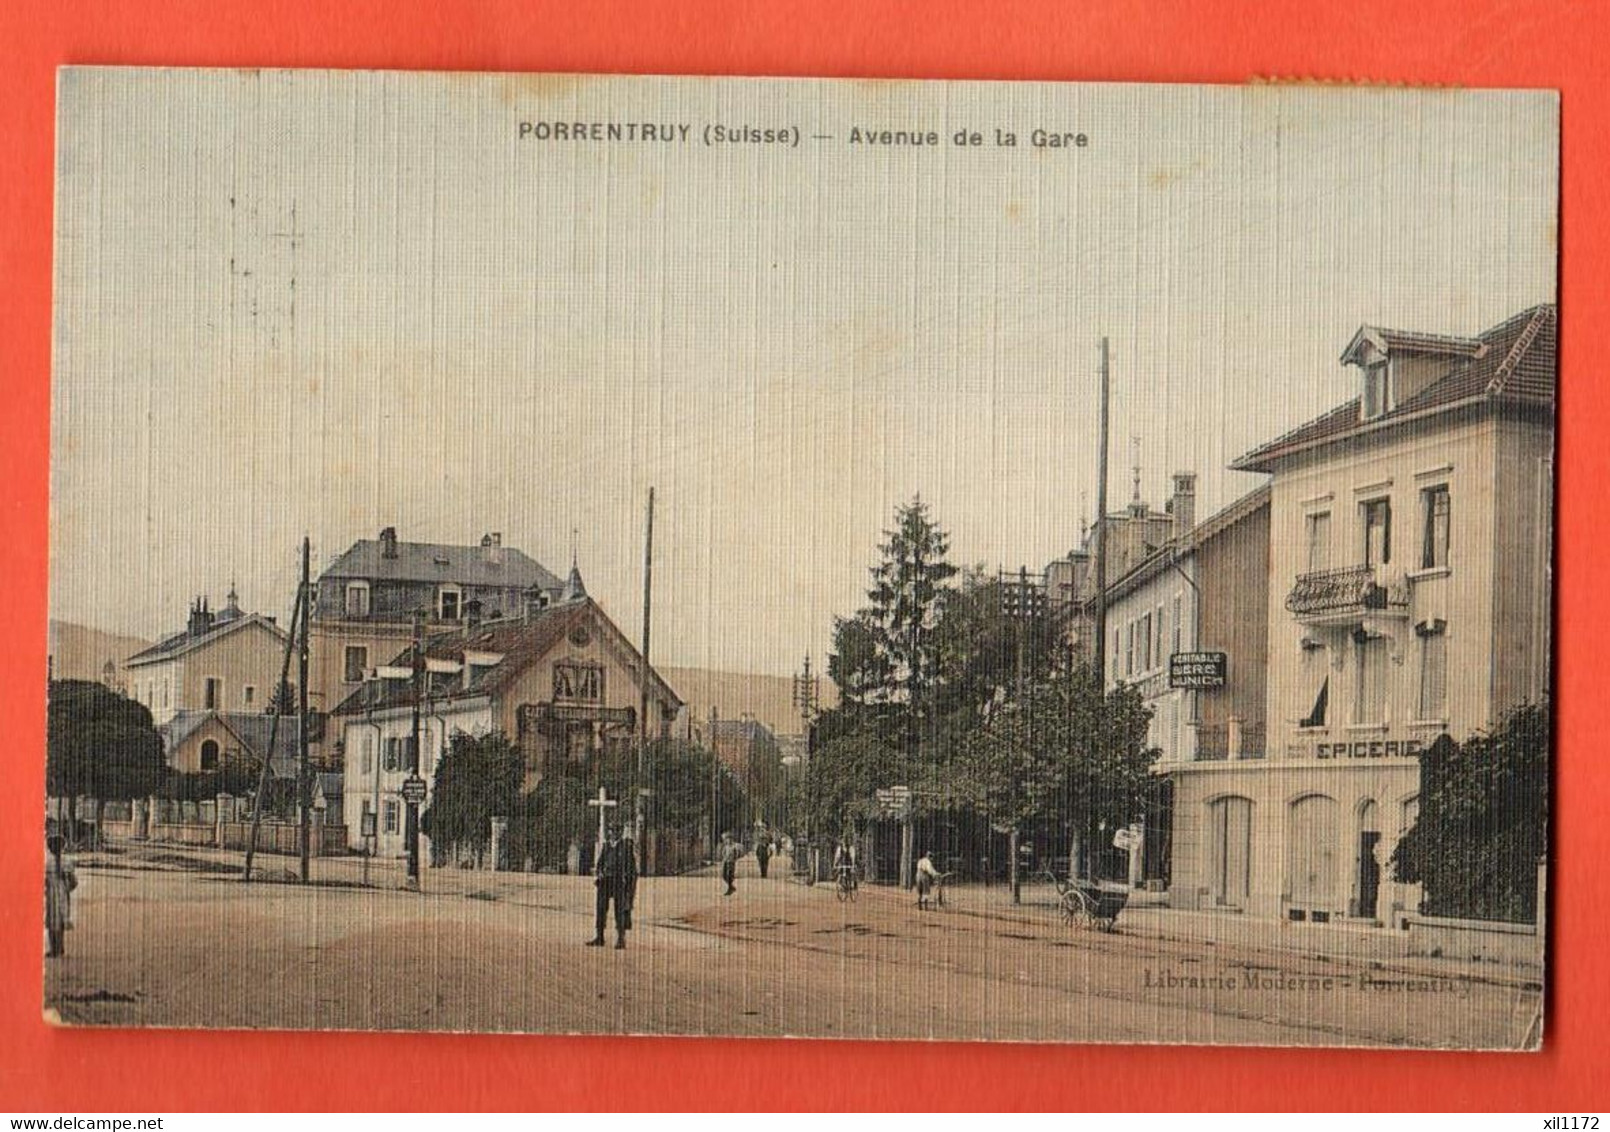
(1230, 851)
(1369, 869)
(1311, 852)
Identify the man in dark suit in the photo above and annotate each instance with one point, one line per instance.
(616, 879)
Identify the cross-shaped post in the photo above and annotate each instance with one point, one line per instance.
(603, 802)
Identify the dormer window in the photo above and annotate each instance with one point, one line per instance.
(357, 599)
(1377, 397)
(449, 603)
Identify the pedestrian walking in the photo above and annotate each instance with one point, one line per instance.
(927, 877)
(730, 852)
(615, 876)
(60, 880)
(763, 854)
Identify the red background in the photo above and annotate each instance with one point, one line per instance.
(1454, 42)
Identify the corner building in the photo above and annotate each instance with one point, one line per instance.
(1409, 598)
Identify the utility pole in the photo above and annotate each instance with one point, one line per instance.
(273, 739)
(411, 828)
(1101, 529)
(715, 774)
(304, 792)
(642, 678)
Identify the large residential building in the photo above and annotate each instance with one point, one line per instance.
(1408, 598)
(1187, 627)
(366, 601)
(562, 681)
(224, 661)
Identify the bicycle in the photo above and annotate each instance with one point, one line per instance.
(844, 883)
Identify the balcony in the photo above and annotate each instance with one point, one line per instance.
(1343, 596)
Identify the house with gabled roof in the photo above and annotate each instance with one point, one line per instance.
(367, 598)
(561, 680)
(224, 661)
(1408, 598)
(201, 742)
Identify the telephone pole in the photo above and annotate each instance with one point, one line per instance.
(642, 680)
(411, 828)
(304, 783)
(1101, 529)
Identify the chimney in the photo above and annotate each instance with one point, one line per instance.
(388, 543)
(492, 547)
(1183, 503)
(200, 617)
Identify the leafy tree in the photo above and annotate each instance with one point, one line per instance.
(1483, 821)
(99, 744)
(843, 776)
(478, 779)
(283, 701)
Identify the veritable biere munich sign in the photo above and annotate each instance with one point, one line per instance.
(1198, 669)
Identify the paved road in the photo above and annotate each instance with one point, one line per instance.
(159, 944)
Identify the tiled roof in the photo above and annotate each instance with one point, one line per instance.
(1514, 363)
(520, 642)
(252, 730)
(440, 562)
(181, 643)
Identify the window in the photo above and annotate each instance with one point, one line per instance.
(1179, 623)
(1377, 532)
(368, 756)
(211, 694)
(1434, 505)
(357, 599)
(1316, 717)
(1433, 672)
(1318, 541)
(209, 754)
(1157, 651)
(393, 760)
(1144, 629)
(357, 663)
(1377, 390)
(1129, 651)
(449, 600)
(391, 815)
(1370, 704)
(574, 681)
(248, 695)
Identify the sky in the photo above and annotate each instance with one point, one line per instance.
(324, 303)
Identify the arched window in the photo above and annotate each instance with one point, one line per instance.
(1312, 851)
(209, 754)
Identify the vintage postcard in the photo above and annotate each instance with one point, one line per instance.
(623, 555)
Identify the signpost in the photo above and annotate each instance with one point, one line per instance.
(414, 789)
(1198, 669)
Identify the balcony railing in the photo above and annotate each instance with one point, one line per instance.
(1213, 742)
(1350, 589)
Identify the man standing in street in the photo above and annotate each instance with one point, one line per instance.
(730, 852)
(763, 852)
(616, 880)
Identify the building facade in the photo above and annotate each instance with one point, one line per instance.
(224, 661)
(1204, 591)
(562, 682)
(1408, 599)
(366, 601)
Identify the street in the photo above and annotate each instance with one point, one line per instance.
(166, 938)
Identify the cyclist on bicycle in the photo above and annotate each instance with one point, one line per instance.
(844, 865)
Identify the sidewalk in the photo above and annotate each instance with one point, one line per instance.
(1148, 915)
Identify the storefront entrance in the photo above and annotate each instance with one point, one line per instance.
(1230, 850)
(1312, 841)
(1369, 869)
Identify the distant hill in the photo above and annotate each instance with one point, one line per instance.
(80, 653)
(769, 699)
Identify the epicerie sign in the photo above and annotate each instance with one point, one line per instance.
(1369, 749)
(1198, 669)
